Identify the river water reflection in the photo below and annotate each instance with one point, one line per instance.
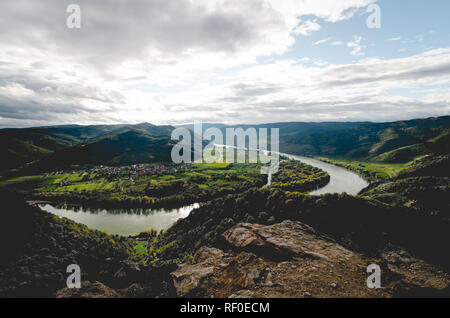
(121, 221)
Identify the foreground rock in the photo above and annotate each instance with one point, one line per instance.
(283, 241)
(290, 259)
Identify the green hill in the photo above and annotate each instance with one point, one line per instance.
(23, 147)
(424, 187)
(403, 154)
(56, 146)
(127, 147)
(393, 142)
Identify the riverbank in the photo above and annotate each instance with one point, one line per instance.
(341, 179)
(124, 222)
(370, 171)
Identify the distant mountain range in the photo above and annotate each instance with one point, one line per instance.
(58, 146)
(392, 142)
(399, 141)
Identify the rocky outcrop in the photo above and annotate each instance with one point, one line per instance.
(189, 277)
(282, 241)
(290, 259)
(284, 260)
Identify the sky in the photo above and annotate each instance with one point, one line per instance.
(229, 61)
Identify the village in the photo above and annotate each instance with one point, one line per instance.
(131, 172)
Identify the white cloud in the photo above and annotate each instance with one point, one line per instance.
(288, 91)
(356, 46)
(170, 61)
(151, 33)
(307, 27)
(322, 41)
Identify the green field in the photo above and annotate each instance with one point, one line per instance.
(372, 171)
(183, 184)
(80, 181)
(177, 185)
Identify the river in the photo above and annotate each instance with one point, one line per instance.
(341, 179)
(130, 221)
(121, 221)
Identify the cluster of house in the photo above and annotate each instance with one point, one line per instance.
(131, 172)
(112, 173)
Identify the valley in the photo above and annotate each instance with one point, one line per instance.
(156, 229)
(120, 199)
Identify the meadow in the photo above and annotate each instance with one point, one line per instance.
(371, 171)
(160, 186)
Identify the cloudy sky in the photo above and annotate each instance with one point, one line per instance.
(231, 61)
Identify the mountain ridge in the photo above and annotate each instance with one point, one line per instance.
(391, 142)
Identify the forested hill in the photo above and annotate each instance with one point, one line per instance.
(86, 144)
(127, 147)
(399, 141)
(393, 142)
